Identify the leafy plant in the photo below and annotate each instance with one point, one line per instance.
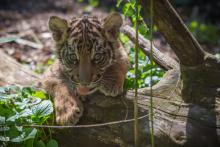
(143, 71)
(144, 65)
(23, 106)
(141, 68)
(41, 67)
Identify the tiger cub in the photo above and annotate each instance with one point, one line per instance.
(90, 58)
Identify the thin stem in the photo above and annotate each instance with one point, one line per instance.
(136, 79)
(151, 80)
(53, 118)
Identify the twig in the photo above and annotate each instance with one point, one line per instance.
(86, 126)
(35, 37)
(29, 43)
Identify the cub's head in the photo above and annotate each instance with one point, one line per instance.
(86, 46)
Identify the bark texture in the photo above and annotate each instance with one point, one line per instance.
(199, 69)
(176, 123)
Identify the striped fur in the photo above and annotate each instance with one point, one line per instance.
(87, 52)
(90, 55)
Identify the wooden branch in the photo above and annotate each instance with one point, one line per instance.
(11, 72)
(175, 32)
(161, 59)
(176, 123)
(168, 87)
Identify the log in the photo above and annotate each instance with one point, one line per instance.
(11, 72)
(174, 120)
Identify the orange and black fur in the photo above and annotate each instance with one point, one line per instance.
(90, 58)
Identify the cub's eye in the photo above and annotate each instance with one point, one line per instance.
(72, 59)
(98, 58)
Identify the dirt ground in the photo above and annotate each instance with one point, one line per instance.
(27, 20)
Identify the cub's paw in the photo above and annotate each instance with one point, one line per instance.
(111, 90)
(68, 112)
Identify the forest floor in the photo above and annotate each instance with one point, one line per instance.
(26, 24)
(29, 40)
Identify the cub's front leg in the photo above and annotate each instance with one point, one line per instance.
(113, 79)
(68, 107)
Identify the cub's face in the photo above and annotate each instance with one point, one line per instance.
(86, 46)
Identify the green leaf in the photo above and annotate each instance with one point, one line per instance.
(26, 91)
(50, 61)
(13, 132)
(7, 39)
(125, 8)
(5, 97)
(25, 113)
(4, 128)
(4, 138)
(52, 143)
(29, 143)
(43, 109)
(27, 134)
(124, 38)
(94, 3)
(2, 120)
(20, 106)
(118, 3)
(13, 88)
(39, 143)
(27, 102)
(39, 94)
(12, 118)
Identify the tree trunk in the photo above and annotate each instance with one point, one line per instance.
(199, 70)
(186, 101)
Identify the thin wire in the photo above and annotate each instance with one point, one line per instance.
(83, 126)
(136, 79)
(151, 80)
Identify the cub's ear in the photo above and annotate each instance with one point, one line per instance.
(112, 24)
(59, 29)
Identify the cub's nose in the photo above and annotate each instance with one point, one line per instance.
(85, 79)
